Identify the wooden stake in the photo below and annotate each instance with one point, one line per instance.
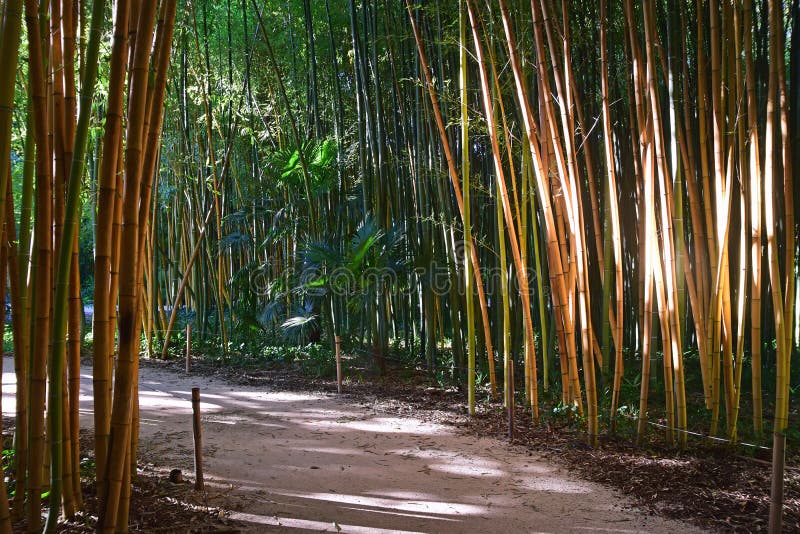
(776, 495)
(338, 365)
(510, 397)
(198, 442)
(188, 348)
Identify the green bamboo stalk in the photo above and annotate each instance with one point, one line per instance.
(465, 177)
(527, 180)
(9, 51)
(22, 349)
(42, 285)
(60, 309)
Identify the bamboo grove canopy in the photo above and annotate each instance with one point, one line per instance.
(589, 202)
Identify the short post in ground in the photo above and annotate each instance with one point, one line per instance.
(776, 495)
(188, 348)
(198, 441)
(339, 364)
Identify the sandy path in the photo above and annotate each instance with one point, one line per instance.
(298, 462)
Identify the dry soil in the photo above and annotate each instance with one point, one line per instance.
(299, 462)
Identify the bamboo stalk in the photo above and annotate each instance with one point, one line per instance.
(43, 237)
(560, 297)
(104, 295)
(754, 189)
(465, 176)
(122, 410)
(520, 267)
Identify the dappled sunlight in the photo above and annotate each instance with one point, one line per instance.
(232, 419)
(318, 526)
(221, 398)
(537, 469)
(606, 529)
(404, 495)
(467, 469)
(275, 396)
(425, 506)
(394, 513)
(9, 391)
(311, 417)
(299, 416)
(554, 485)
(155, 384)
(453, 462)
(425, 452)
(146, 421)
(303, 462)
(9, 380)
(388, 425)
(161, 400)
(330, 450)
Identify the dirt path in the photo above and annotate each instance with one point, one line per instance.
(298, 462)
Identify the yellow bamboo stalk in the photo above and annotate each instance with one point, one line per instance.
(702, 120)
(672, 336)
(570, 180)
(651, 252)
(790, 257)
(104, 297)
(720, 320)
(754, 189)
(122, 411)
(771, 219)
(509, 363)
(608, 145)
(43, 269)
(557, 275)
(465, 176)
(522, 275)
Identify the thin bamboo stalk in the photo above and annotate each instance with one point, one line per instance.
(754, 189)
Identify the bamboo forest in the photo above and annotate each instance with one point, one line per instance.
(400, 266)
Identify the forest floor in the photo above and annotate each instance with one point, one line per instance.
(280, 458)
(715, 487)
